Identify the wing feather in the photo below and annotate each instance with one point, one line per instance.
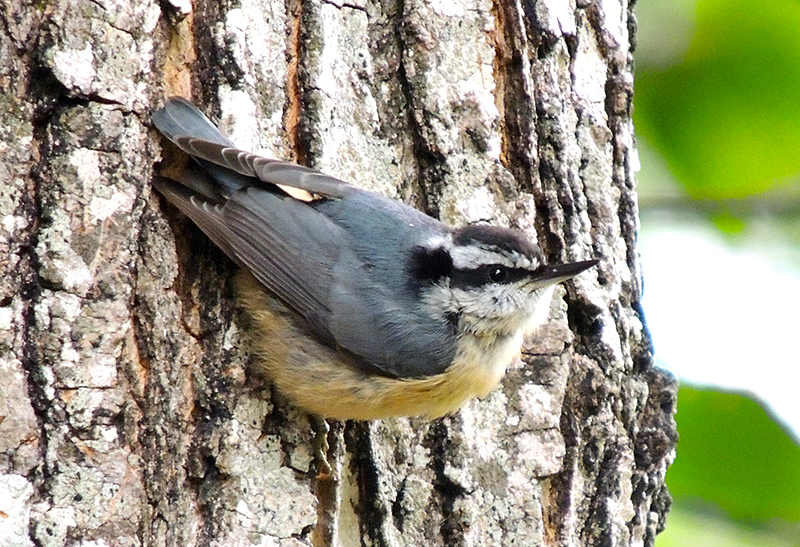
(318, 257)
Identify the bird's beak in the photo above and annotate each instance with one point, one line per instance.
(550, 275)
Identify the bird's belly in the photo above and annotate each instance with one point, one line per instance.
(325, 381)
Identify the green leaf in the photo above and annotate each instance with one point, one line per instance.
(733, 454)
(727, 118)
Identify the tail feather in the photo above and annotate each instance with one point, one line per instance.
(180, 118)
(182, 123)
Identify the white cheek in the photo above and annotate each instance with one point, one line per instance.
(489, 302)
(539, 309)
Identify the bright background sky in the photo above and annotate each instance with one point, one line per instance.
(724, 315)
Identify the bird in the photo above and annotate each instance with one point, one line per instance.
(359, 306)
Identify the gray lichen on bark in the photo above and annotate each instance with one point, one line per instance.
(127, 415)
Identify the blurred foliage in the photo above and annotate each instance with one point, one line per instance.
(717, 114)
(732, 453)
(689, 526)
(736, 479)
(724, 111)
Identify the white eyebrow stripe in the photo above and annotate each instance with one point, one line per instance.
(475, 256)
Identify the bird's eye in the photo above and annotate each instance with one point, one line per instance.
(497, 274)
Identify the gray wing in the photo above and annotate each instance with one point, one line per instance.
(300, 252)
(286, 245)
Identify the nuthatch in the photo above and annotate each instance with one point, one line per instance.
(361, 307)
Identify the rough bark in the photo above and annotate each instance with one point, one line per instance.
(127, 416)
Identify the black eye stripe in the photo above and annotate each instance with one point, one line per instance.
(483, 275)
(429, 265)
(498, 274)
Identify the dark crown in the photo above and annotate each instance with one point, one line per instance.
(503, 239)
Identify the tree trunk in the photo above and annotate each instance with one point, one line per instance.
(127, 415)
